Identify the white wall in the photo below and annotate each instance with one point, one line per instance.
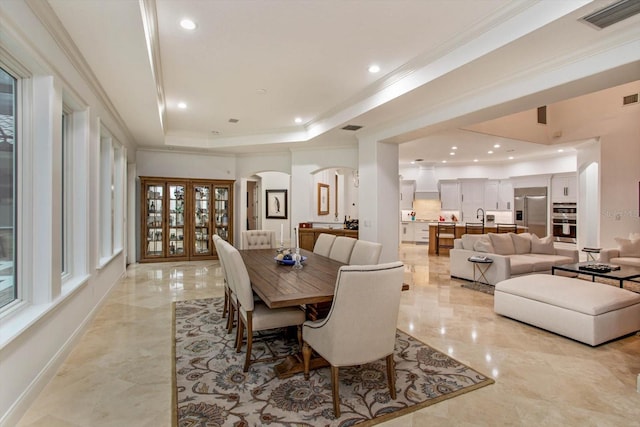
(185, 165)
(35, 339)
(276, 181)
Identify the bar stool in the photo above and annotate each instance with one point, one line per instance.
(446, 231)
(506, 228)
(474, 228)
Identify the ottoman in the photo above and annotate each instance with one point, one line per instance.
(589, 312)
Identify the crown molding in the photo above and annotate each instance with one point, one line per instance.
(149, 13)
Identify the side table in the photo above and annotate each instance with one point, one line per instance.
(591, 253)
(480, 266)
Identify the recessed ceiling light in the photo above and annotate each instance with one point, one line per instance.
(188, 24)
(374, 68)
(182, 105)
(560, 150)
(496, 145)
(413, 163)
(298, 120)
(510, 157)
(490, 152)
(444, 161)
(454, 148)
(475, 160)
(452, 153)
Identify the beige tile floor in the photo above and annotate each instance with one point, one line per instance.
(119, 374)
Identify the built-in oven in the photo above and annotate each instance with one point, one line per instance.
(564, 222)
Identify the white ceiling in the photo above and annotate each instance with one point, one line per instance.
(265, 63)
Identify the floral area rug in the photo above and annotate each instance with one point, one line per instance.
(210, 388)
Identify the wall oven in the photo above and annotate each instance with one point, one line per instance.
(564, 221)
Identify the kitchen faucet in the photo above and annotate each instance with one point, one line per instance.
(480, 210)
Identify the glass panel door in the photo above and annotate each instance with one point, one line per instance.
(202, 219)
(154, 219)
(176, 220)
(222, 211)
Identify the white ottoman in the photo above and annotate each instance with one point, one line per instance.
(589, 312)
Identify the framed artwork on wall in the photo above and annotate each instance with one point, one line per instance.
(323, 199)
(276, 204)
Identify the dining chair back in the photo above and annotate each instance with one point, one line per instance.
(342, 248)
(258, 239)
(254, 316)
(230, 299)
(323, 244)
(365, 253)
(445, 235)
(355, 333)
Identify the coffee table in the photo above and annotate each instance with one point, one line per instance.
(624, 273)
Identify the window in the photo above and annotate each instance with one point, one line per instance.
(112, 193)
(8, 141)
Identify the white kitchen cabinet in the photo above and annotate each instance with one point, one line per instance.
(421, 232)
(498, 195)
(505, 195)
(472, 198)
(450, 195)
(407, 229)
(407, 194)
(564, 188)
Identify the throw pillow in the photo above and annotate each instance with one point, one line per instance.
(634, 236)
(542, 246)
(468, 240)
(483, 245)
(628, 248)
(521, 242)
(502, 243)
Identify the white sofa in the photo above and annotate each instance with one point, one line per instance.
(627, 253)
(512, 255)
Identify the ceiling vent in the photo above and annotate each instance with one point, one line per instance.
(352, 127)
(630, 99)
(612, 14)
(233, 120)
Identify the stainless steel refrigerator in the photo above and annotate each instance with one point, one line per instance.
(530, 205)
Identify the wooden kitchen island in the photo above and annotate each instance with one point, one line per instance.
(460, 228)
(308, 236)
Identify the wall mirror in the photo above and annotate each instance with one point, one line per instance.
(323, 199)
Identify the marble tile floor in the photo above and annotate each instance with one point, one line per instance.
(119, 374)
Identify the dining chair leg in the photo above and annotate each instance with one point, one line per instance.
(335, 390)
(240, 334)
(247, 359)
(391, 375)
(230, 317)
(225, 308)
(306, 357)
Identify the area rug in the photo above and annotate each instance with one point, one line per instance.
(210, 388)
(480, 287)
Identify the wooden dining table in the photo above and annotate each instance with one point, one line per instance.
(283, 286)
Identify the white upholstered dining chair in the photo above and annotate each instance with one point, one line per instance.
(254, 316)
(341, 249)
(355, 333)
(365, 253)
(258, 239)
(323, 244)
(229, 295)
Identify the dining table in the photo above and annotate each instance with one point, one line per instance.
(280, 285)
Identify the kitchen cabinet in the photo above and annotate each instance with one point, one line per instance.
(407, 232)
(179, 216)
(450, 195)
(498, 195)
(564, 188)
(472, 199)
(308, 236)
(421, 232)
(407, 194)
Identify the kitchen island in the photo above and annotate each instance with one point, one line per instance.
(460, 229)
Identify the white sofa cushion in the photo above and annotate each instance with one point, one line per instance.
(573, 294)
(628, 248)
(521, 264)
(521, 242)
(634, 236)
(628, 261)
(469, 240)
(542, 246)
(502, 243)
(483, 245)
